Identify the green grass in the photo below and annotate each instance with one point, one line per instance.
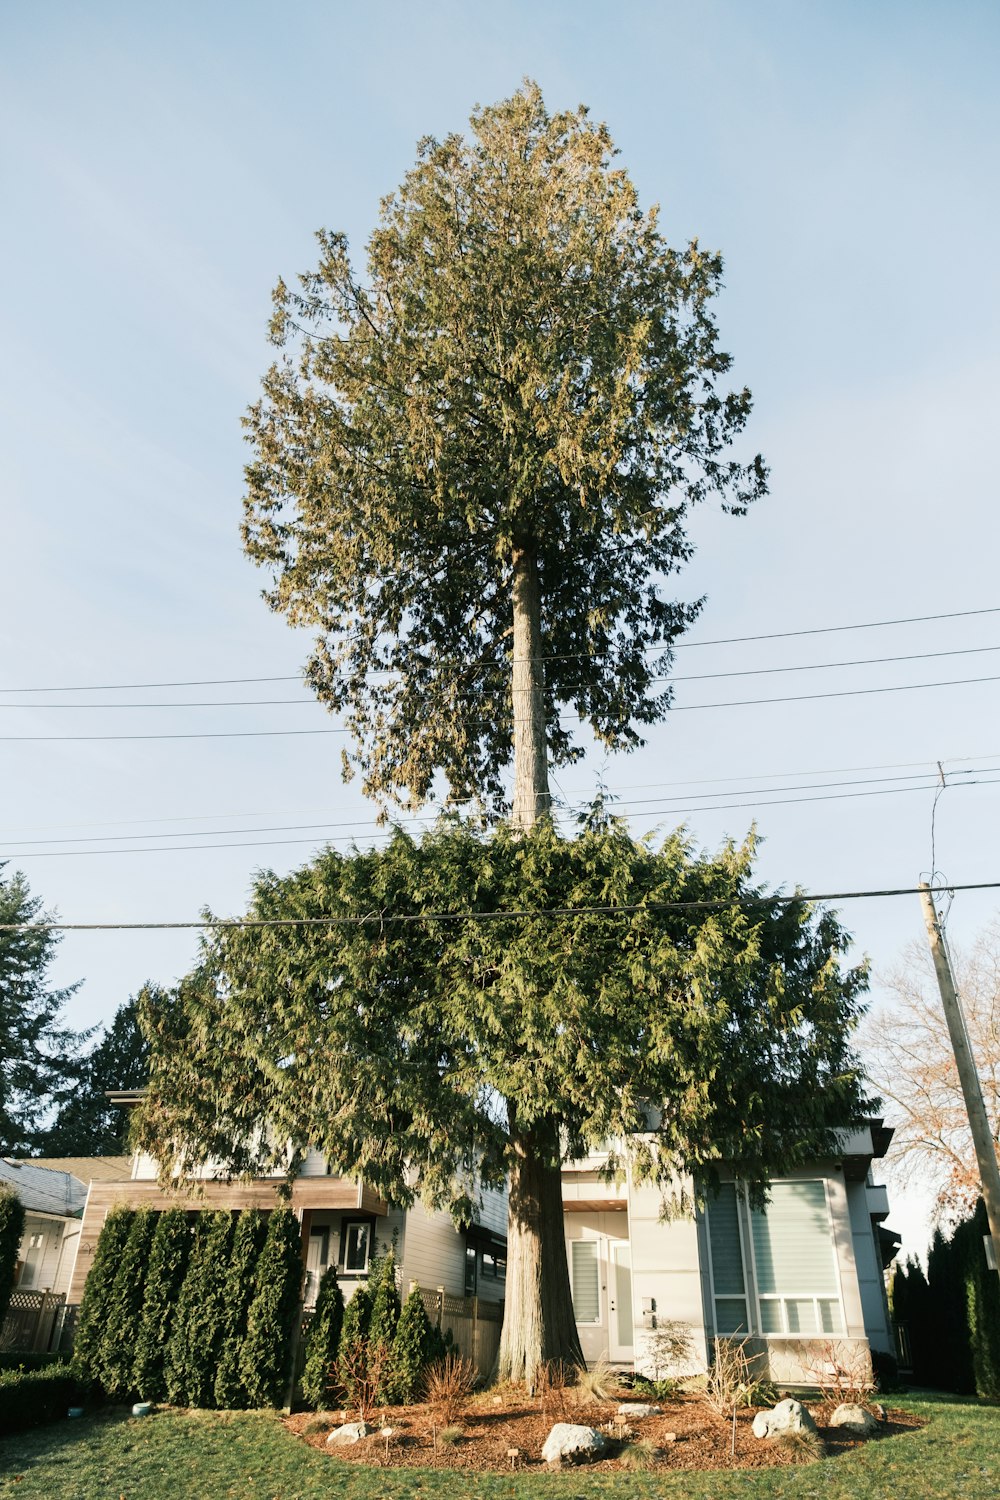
(249, 1456)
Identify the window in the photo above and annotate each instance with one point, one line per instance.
(585, 1275)
(726, 1249)
(357, 1246)
(471, 1259)
(33, 1257)
(494, 1266)
(795, 1261)
(793, 1257)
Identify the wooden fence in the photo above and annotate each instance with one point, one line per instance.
(33, 1318)
(474, 1324)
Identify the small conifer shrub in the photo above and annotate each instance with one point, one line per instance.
(116, 1353)
(413, 1349)
(248, 1241)
(357, 1318)
(266, 1353)
(323, 1341)
(97, 1291)
(11, 1230)
(168, 1257)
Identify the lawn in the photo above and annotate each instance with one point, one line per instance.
(250, 1456)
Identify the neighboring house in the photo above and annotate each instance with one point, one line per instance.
(53, 1191)
(343, 1222)
(804, 1273)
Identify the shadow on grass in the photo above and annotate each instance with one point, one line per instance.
(55, 1440)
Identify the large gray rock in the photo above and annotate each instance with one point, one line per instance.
(569, 1444)
(854, 1419)
(350, 1432)
(787, 1416)
(638, 1409)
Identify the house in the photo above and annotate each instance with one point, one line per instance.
(797, 1277)
(53, 1202)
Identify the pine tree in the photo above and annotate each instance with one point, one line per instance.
(116, 1354)
(248, 1241)
(97, 1291)
(168, 1258)
(357, 1318)
(413, 1349)
(11, 1230)
(191, 1351)
(323, 1340)
(264, 1362)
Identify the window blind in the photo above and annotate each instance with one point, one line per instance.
(793, 1241)
(586, 1287)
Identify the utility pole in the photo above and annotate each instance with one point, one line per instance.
(989, 1169)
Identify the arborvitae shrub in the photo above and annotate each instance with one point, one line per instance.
(357, 1318)
(413, 1348)
(323, 1341)
(385, 1304)
(115, 1356)
(168, 1258)
(97, 1291)
(11, 1231)
(982, 1307)
(237, 1294)
(191, 1353)
(266, 1354)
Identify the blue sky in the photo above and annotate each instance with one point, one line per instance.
(162, 166)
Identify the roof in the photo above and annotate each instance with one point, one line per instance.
(89, 1168)
(43, 1190)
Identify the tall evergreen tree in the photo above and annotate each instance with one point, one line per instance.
(88, 1124)
(116, 1355)
(267, 1348)
(11, 1230)
(190, 1365)
(38, 1063)
(168, 1257)
(248, 1241)
(98, 1289)
(323, 1340)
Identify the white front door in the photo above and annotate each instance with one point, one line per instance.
(621, 1337)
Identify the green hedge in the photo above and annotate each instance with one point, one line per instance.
(11, 1230)
(30, 1397)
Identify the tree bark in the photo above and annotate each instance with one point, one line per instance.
(531, 771)
(538, 1323)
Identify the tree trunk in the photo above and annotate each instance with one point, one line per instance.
(538, 1323)
(531, 771)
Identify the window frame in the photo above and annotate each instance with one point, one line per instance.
(346, 1226)
(748, 1298)
(595, 1241)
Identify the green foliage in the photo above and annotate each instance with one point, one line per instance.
(323, 1341)
(385, 1302)
(264, 1364)
(248, 1241)
(736, 1019)
(88, 1124)
(413, 1349)
(97, 1293)
(190, 1364)
(123, 1318)
(11, 1231)
(357, 1318)
(952, 1316)
(38, 1066)
(30, 1397)
(525, 369)
(168, 1257)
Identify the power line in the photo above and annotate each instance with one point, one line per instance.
(382, 919)
(242, 734)
(735, 640)
(819, 666)
(273, 843)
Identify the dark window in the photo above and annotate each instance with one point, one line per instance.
(357, 1246)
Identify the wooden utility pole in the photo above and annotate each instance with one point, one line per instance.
(989, 1168)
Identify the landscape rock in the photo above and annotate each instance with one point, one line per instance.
(854, 1419)
(569, 1443)
(787, 1416)
(350, 1432)
(639, 1409)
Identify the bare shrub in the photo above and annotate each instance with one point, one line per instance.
(360, 1370)
(598, 1383)
(732, 1378)
(842, 1372)
(448, 1385)
(669, 1346)
(552, 1386)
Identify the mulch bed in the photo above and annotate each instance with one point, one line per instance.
(493, 1425)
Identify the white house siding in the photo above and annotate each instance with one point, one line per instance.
(42, 1274)
(666, 1279)
(868, 1261)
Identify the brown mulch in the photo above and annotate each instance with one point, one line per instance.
(491, 1425)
